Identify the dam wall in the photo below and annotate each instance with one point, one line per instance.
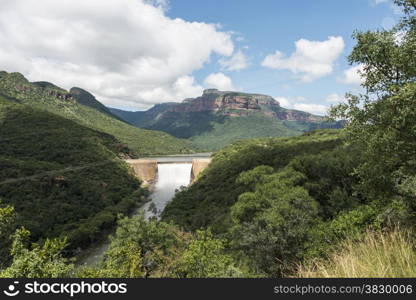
(198, 165)
(145, 169)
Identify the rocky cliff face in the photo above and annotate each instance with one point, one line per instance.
(217, 118)
(215, 100)
(236, 104)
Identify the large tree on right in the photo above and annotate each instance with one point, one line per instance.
(383, 119)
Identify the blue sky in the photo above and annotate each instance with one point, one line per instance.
(132, 54)
(269, 25)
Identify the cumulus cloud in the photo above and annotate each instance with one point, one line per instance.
(313, 108)
(123, 51)
(219, 81)
(301, 103)
(284, 102)
(335, 98)
(377, 2)
(237, 62)
(311, 59)
(352, 75)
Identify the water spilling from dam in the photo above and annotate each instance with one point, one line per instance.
(164, 175)
(171, 176)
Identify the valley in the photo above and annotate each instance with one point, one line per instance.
(171, 173)
(82, 107)
(218, 118)
(227, 184)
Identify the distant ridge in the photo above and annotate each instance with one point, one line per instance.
(218, 118)
(81, 106)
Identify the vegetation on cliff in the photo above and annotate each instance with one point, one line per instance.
(216, 119)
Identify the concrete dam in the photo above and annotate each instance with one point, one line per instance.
(147, 169)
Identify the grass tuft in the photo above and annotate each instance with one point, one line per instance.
(377, 254)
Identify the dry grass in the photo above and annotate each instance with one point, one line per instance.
(378, 254)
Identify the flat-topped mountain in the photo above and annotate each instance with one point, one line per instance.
(234, 104)
(215, 100)
(217, 118)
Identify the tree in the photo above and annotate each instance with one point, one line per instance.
(140, 248)
(7, 227)
(273, 234)
(121, 262)
(41, 261)
(205, 257)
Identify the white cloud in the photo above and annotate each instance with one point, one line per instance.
(352, 75)
(219, 81)
(311, 59)
(301, 103)
(284, 102)
(377, 2)
(397, 10)
(237, 62)
(120, 50)
(317, 109)
(335, 98)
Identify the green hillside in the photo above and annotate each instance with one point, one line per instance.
(209, 129)
(208, 201)
(62, 178)
(281, 201)
(254, 125)
(74, 107)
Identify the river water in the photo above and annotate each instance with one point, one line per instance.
(174, 172)
(171, 176)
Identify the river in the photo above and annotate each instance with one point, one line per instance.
(171, 176)
(173, 172)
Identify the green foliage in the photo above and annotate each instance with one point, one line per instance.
(123, 261)
(268, 196)
(232, 129)
(204, 258)
(383, 120)
(141, 248)
(7, 227)
(88, 113)
(329, 178)
(273, 223)
(63, 179)
(376, 254)
(265, 206)
(40, 261)
(207, 201)
(210, 131)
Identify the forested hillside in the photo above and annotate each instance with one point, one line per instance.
(83, 108)
(282, 202)
(62, 179)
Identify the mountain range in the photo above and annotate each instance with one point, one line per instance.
(218, 118)
(82, 107)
